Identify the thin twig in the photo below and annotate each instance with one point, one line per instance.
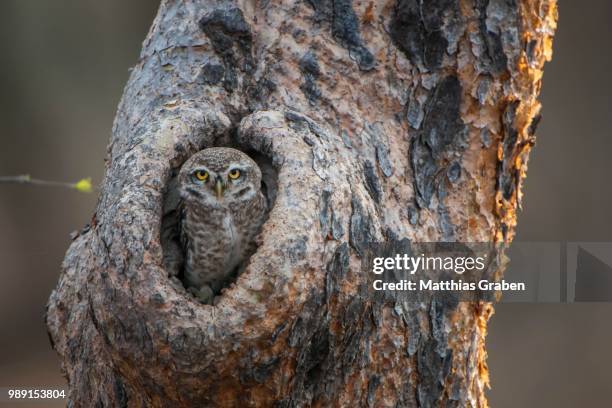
(83, 185)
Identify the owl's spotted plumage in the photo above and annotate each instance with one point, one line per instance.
(222, 210)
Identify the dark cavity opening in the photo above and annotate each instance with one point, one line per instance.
(176, 246)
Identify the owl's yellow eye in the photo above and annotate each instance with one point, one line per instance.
(234, 174)
(201, 175)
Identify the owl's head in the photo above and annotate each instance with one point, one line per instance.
(219, 176)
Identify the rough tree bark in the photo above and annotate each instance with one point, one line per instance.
(384, 120)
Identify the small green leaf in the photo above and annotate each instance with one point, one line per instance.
(83, 185)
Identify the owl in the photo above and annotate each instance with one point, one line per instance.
(222, 210)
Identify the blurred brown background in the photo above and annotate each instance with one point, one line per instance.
(64, 65)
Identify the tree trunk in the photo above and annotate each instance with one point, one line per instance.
(383, 120)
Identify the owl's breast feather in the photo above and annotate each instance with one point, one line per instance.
(233, 253)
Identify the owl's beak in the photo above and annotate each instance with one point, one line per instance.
(219, 188)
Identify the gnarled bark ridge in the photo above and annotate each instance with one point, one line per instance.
(384, 120)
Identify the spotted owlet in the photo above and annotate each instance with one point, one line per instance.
(222, 211)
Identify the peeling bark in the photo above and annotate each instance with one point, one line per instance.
(384, 121)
